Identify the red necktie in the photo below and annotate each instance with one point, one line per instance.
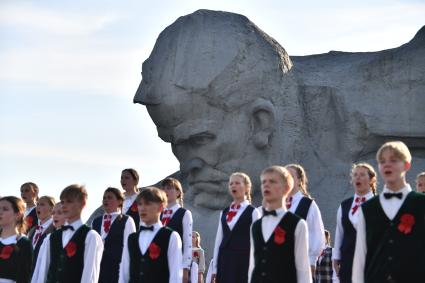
(166, 216)
(38, 232)
(107, 222)
(288, 202)
(358, 201)
(233, 210)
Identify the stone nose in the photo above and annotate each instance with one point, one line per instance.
(192, 165)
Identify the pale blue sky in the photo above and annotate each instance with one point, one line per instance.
(69, 71)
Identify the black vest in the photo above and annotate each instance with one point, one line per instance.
(150, 267)
(113, 245)
(176, 222)
(134, 214)
(348, 244)
(275, 263)
(303, 207)
(66, 267)
(392, 255)
(238, 237)
(17, 266)
(31, 219)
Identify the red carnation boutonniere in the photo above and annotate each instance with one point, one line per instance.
(29, 220)
(71, 249)
(154, 251)
(407, 221)
(279, 235)
(6, 252)
(134, 207)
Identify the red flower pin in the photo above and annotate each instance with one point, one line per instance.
(71, 249)
(154, 251)
(6, 252)
(195, 254)
(279, 235)
(407, 221)
(29, 220)
(134, 207)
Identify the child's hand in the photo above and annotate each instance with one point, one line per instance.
(337, 266)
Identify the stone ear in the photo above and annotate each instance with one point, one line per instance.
(263, 122)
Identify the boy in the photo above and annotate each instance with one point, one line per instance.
(153, 254)
(420, 182)
(73, 252)
(279, 240)
(390, 244)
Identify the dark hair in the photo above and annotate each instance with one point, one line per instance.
(133, 174)
(172, 182)
(152, 194)
(33, 187)
(18, 207)
(118, 194)
(74, 191)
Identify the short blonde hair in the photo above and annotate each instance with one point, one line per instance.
(399, 149)
(73, 192)
(152, 194)
(282, 172)
(420, 175)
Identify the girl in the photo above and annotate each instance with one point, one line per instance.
(232, 245)
(300, 202)
(15, 249)
(420, 182)
(363, 179)
(114, 228)
(198, 256)
(129, 181)
(45, 224)
(179, 219)
(29, 193)
(324, 269)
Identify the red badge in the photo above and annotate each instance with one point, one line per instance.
(134, 207)
(6, 252)
(154, 251)
(279, 235)
(71, 249)
(29, 220)
(407, 221)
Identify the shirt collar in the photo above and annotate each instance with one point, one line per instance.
(405, 190)
(46, 224)
(297, 196)
(76, 224)
(174, 207)
(368, 196)
(9, 240)
(116, 213)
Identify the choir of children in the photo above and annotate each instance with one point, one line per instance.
(148, 237)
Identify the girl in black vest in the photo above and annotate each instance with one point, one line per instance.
(45, 224)
(129, 181)
(363, 179)
(29, 194)
(15, 249)
(114, 228)
(231, 250)
(179, 219)
(300, 202)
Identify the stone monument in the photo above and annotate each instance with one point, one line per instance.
(228, 97)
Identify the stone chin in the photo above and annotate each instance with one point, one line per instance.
(210, 195)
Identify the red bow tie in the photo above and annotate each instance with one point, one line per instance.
(358, 201)
(233, 210)
(166, 216)
(107, 219)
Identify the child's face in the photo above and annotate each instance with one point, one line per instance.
(294, 176)
(27, 194)
(171, 192)
(127, 181)
(72, 209)
(194, 239)
(110, 202)
(420, 184)
(58, 216)
(237, 187)
(43, 209)
(392, 169)
(149, 211)
(8, 216)
(360, 180)
(272, 187)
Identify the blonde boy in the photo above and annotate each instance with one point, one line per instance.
(390, 244)
(153, 254)
(279, 240)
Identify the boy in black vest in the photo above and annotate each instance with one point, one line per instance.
(153, 254)
(390, 244)
(73, 252)
(279, 240)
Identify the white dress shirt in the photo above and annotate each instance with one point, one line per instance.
(92, 255)
(41, 230)
(128, 202)
(256, 214)
(187, 235)
(339, 230)
(302, 263)
(316, 230)
(194, 272)
(391, 207)
(174, 255)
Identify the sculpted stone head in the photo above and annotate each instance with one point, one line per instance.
(217, 88)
